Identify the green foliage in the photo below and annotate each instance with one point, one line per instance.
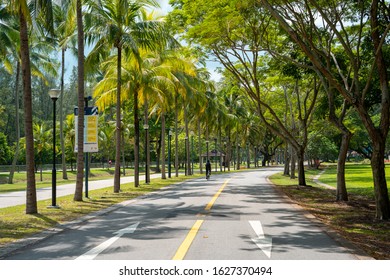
(5, 150)
(321, 147)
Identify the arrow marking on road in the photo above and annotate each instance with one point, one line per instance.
(93, 253)
(262, 241)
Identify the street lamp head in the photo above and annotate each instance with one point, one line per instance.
(54, 93)
(146, 127)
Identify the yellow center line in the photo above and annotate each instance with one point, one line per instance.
(186, 244)
(183, 249)
(215, 197)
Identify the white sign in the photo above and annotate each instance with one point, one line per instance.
(90, 130)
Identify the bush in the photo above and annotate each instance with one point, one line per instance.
(5, 150)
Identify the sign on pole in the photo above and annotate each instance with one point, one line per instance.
(90, 129)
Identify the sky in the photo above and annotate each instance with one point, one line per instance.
(71, 61)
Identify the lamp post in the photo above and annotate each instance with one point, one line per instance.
(186, 156)
(54, 94)
(215, 153)
(238, 156)
(207, 150)
(224, 159)
(86, 99)
(169, 152)
(192, 153)
(147, 177)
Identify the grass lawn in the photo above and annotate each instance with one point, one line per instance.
(358, 177)
(15, 224)
(355, 219)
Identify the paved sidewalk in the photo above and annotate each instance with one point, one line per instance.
(19, 198)
(317, 180)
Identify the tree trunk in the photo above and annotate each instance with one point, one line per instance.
(78, 196)
(248, 157)
(31, 194)
(147, 142)
(200, 147)
(17, 125)
(136, 142)
(380, 184)
(123, 153)
(117, 174)
(341, 192)
(220, 150)
(293, 162)
(158, 155)
(286, 171)
(378, 138)
(63, 161)
(176, 136)
(229, 150)
(301, 167)
(163, 174)
(238, 156)
(187, 144)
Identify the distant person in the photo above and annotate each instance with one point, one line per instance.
(208, 169)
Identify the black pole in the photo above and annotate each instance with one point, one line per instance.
(169, 153)
(215, 153)
(54, 171)
(207, 150)
(86, 156)
(224, 158)
(192, 153)
(185, 156)
(147, 179)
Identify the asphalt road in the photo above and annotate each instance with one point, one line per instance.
(230, 217)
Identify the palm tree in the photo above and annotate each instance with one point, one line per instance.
(106, 134)
(9, 42)
(42, 142)
(44, 12)
(78, 196)
(139, 80)
(125, 26)
(185, 81)
(21, 9)
(128, 32)
(9, 37)
(66, 27)
(70, 137)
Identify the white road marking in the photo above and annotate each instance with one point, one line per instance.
(94, 252)
(262, 241)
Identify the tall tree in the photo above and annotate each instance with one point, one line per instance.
(78, 195)
(348, 25)
(125, 26)
(9, 41)
(21, 8)
(237, 33)
(64, 18)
